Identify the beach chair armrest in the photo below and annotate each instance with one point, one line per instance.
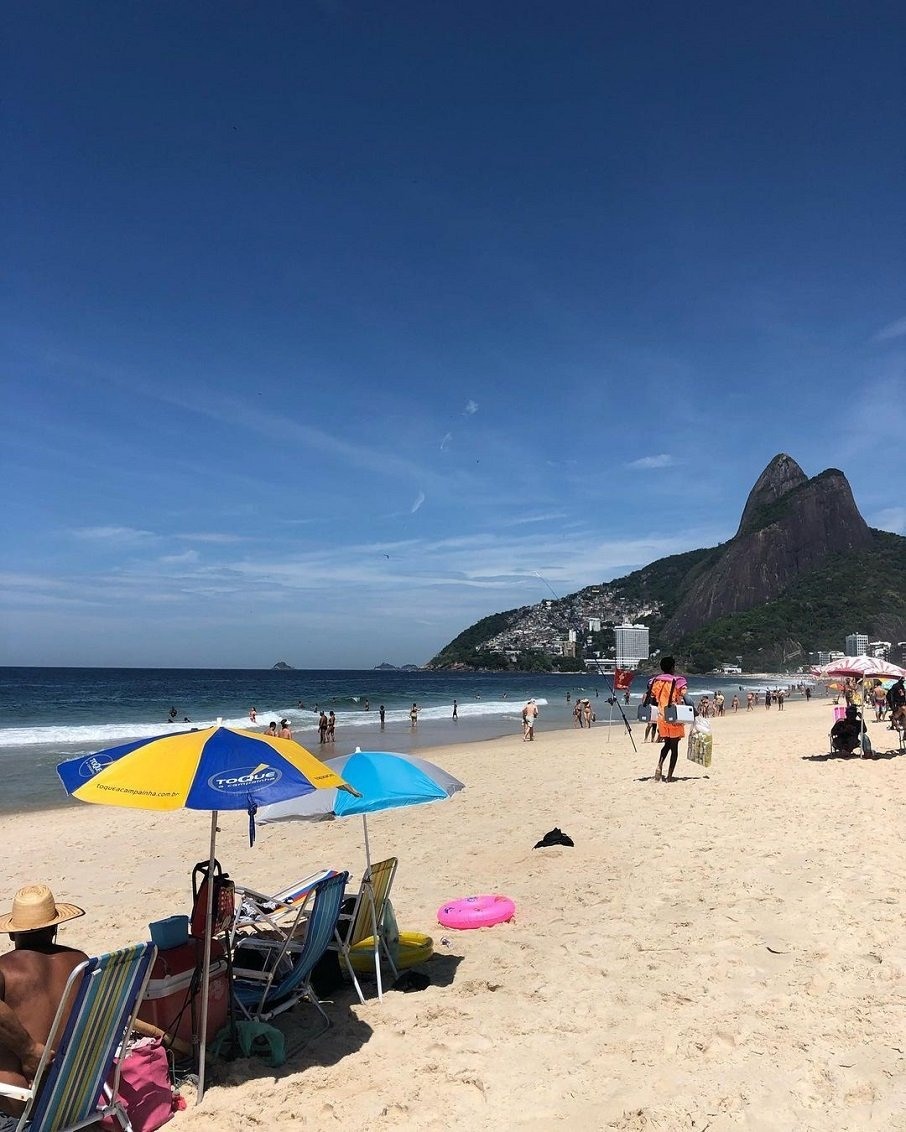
(289, 896)
(250, 975)
(15, 1092)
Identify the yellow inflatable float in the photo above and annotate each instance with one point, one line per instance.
(414, 948)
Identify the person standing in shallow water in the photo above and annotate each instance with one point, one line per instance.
(529, 715)
(381, 713)
(455, 710)
(666, 689)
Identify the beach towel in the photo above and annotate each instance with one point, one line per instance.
(555, 836)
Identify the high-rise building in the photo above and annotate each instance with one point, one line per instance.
(857, 644)
(631, 644)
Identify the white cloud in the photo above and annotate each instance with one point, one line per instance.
(892, 330)
(446, 440)
(187, 559)
(471, 407)
(118, 535)
(419, 500)
(521, 520)
(663, 460)
(216, 537)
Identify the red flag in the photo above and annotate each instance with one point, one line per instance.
(622, 679)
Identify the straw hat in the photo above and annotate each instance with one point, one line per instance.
(34, 907)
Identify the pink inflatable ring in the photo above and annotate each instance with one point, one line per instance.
(476, 911)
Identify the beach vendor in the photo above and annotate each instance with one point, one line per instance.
(664, 690)
(32, 981)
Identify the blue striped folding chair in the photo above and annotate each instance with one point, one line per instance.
(69, 1091)
(288, 963)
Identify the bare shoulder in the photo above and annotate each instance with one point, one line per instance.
(23, 963)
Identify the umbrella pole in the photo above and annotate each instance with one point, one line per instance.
(206, 969)
(367, 846)
(374, 923)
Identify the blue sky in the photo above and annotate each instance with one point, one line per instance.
(327, 327)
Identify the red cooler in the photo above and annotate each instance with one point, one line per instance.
(167, 1002)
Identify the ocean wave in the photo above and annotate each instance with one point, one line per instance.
(302, 722)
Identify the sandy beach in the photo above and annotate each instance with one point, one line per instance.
(724, 952)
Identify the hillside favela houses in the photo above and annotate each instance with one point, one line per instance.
(766, 600)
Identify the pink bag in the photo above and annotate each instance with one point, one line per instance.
(145, 1091)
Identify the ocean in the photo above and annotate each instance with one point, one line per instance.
(51, 714)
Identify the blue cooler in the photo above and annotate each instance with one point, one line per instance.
(171, 932)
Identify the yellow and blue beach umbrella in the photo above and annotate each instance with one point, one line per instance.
(214, 768)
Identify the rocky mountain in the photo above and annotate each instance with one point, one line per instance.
(802, 571)
(789, 526)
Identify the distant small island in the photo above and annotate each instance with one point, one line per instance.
(388, 667)
(282, 666)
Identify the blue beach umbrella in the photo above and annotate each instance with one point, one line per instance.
(213, 768)
(382, 780)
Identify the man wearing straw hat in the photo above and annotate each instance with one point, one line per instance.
(32, 980)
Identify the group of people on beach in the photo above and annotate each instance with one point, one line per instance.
(714, 706)
(583, 716)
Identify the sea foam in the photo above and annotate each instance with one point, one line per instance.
(302, 722)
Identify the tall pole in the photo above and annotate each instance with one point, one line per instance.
(206, 969)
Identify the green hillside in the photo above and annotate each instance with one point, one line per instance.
(461, 650)
(864, 591)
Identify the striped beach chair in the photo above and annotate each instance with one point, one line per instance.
(366, 922)
(69, 1092)
(261, 995)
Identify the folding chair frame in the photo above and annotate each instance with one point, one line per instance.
(369, 909)
(292, 987)
(61, 1090)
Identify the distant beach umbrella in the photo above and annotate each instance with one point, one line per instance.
(214, 768)
(862, 667)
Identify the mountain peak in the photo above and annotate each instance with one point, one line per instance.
(790, 525)
(779, 478)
